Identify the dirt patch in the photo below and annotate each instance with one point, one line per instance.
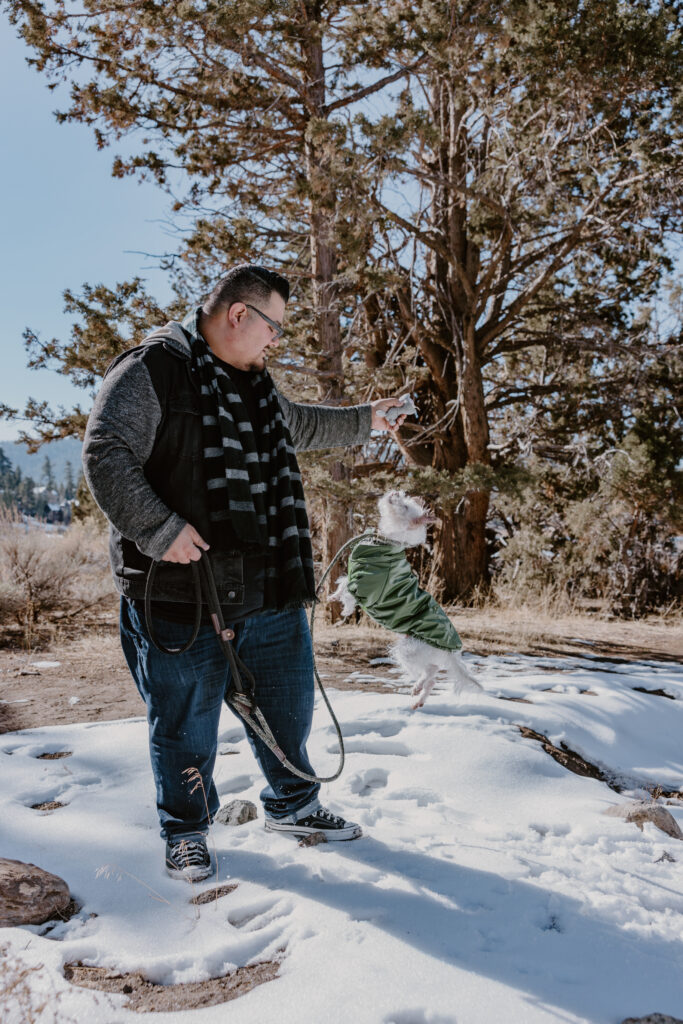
(147, 996)
(586, 693)
(568, 758)
(70, 910)
(579, 766)
(92, 683)
(211, 895)
(656, 693)
(48, 805)
(56, 756)
(497, 631)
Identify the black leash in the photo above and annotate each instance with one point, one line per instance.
(241, 696)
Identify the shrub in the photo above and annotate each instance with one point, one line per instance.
(604, 531)
(43, 572)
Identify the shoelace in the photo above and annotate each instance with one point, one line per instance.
(188, 853)
(328, 816)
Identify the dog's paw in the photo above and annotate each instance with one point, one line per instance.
(421, 690)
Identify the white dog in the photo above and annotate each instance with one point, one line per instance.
(381, 581)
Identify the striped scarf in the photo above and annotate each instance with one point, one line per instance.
(253, 479)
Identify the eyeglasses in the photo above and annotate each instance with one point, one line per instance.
(278, 329)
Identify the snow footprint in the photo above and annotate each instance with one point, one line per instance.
(365, 782)
(417, 1017)
(423, 797)
(86, 780)
(231, 736)
(374, 746)
(237, 785)
(362, 728)
(258, 914)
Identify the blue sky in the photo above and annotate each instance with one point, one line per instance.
(63, 221)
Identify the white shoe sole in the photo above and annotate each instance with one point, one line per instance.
(332, 835)
(189, 874)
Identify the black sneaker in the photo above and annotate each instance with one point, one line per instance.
(188, 859)
(322, 822)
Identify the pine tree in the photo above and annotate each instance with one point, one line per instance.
(47, 475)
(5, 465)
(541, 146)
(245, 101)
(69, 485)
(534, 150)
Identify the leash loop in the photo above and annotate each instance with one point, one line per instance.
(197, 613)
(242, 695)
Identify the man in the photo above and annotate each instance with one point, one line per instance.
(191, 448)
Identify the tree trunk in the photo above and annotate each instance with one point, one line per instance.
(337, 515)
(455, 382)
(459, 550)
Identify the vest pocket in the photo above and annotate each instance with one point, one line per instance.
(228, 570)
(174, 582)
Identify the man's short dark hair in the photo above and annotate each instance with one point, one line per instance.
(245, 283)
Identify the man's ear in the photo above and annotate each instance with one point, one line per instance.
(236, 313)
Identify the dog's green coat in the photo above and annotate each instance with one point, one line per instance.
(384, 585)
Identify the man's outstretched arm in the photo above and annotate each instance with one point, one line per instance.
(327, 426)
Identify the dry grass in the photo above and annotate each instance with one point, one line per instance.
(27, 995)
(533, 627)
(45, 573)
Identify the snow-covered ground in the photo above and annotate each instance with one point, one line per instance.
(489, 886)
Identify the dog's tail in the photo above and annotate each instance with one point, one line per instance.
(461, 676)
(344, 596)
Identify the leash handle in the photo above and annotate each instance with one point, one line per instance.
(197, 613)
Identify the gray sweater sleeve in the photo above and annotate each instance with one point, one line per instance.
(326, 426)
(120, 437)
(118, 442)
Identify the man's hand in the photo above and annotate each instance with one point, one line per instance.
(187, 547)
(380, 422)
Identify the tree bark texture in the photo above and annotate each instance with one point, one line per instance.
(453, 393)
(337, 515)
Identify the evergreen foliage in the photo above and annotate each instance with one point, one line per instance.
(475, 202)
(16, 490)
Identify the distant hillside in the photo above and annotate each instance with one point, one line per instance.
(60, 452)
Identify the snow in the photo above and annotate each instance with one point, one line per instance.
(489, 886)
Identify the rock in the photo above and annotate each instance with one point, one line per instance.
(237, 812)
(313, 840)
(653, 1018)
(640, 811)
(29, 895)
(666, 856)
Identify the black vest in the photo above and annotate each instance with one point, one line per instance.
(175, 472)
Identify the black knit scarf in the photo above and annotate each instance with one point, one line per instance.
(253, 478)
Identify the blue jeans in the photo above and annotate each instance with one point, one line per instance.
(184, 695)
